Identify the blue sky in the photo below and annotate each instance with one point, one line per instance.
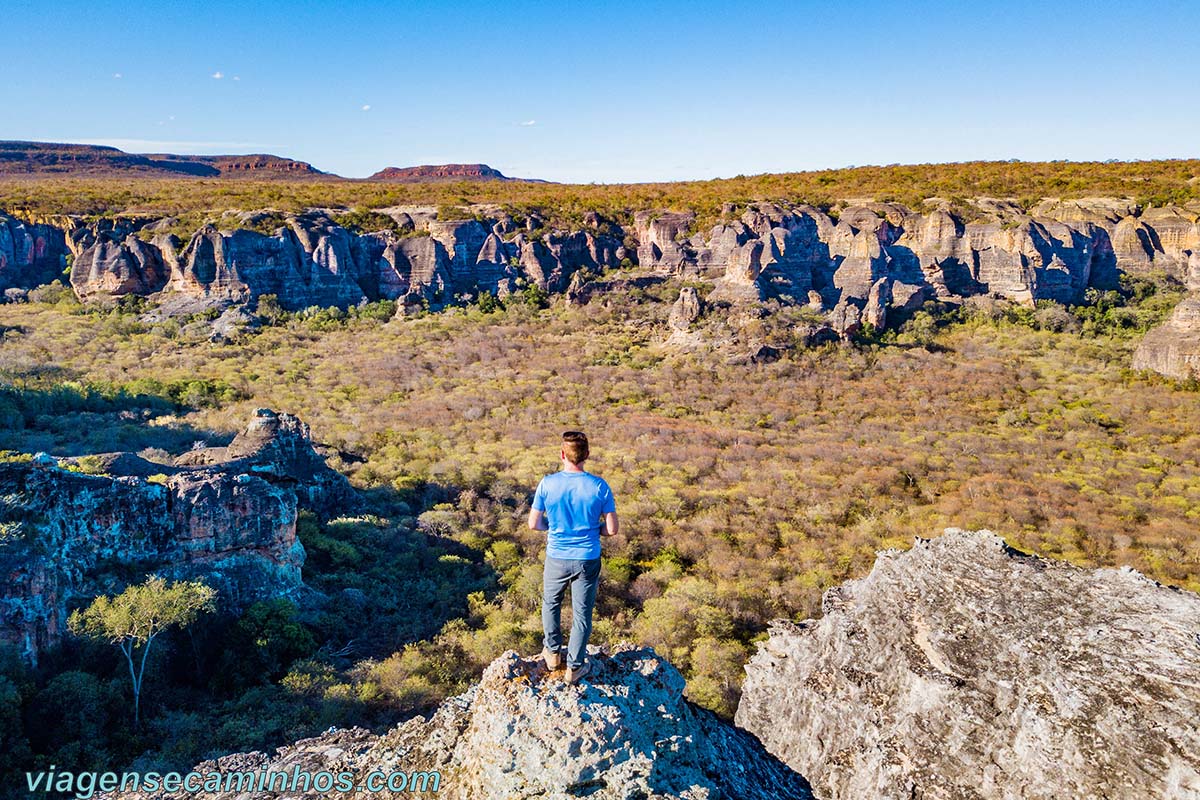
(603, 92)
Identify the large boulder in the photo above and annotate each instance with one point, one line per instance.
(523, 733)
(963, 668)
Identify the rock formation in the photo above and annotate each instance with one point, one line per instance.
(1173, 348)
(115, 268)
(883, 260)
(227, 515)
(686, 310)
(278, 447)
(30, 254)
(624, 732)
(965, 669)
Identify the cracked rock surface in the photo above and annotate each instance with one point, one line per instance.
(963, 668)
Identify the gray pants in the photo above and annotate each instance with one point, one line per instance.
(583, 577)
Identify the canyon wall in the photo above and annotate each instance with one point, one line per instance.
(227, 515)
(883, 251)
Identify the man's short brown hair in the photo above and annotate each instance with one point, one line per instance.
(575, 445)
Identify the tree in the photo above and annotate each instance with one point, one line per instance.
(263, 644)
(136, 616)
(270, 310)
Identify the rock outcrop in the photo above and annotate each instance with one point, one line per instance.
(31, 254)
(965, 669)
(521, 732)
(279, 448)
(686, 310)
(112, 267)
(878, 258)
(1173, 348)
(227, 515)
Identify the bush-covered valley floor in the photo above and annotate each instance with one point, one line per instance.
(745, 489)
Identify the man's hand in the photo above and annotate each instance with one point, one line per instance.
(612, 525)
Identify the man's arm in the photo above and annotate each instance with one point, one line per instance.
(612, 525)
(537, 520)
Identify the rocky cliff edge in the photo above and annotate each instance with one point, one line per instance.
(523, 732)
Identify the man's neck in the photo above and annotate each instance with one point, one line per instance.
(567, 466)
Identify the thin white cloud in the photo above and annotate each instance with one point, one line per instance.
(529, 123)
(237, 77)
(366, 108)
(218, 74)
(118, 75)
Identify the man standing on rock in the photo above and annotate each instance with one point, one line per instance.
(576, 508)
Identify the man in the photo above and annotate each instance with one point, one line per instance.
(576, 508)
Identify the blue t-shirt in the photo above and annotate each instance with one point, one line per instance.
(575, 504)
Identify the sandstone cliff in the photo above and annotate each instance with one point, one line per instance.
(624, 732)
(1173, 348)
(870, 263)
(227, 515)
(30, 254)
(965, 669)
(1056, 252)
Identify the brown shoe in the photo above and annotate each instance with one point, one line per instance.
(553, 660)
(575, 673)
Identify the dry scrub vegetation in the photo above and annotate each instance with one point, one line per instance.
(1147, 182)
(745, 490)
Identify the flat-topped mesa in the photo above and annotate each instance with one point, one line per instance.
(226, 515)
(964, 668)
(439, 172)
(521, 732)
(97, 161)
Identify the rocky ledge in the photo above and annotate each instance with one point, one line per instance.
(963, 668)
(523, 732)
(227, 515)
